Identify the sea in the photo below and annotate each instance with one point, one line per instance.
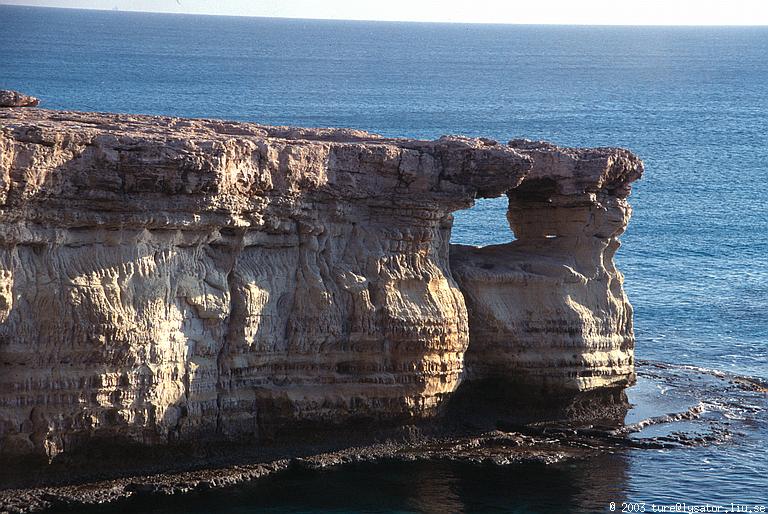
(691, 101)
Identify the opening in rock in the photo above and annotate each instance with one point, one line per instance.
(483, 224)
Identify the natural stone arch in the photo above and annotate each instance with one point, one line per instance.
(548, 317)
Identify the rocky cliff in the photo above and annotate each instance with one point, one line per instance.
(166, 279)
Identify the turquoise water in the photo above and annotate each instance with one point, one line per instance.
(693, 102)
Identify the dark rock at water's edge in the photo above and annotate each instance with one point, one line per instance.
(169, 284)
(10, 98)
(544, 442)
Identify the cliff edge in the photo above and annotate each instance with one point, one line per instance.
(166, 279)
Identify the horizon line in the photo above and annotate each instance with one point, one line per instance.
(439, 22)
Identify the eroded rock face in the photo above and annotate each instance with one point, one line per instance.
(164, 279)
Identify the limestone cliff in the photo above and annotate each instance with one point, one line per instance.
(164, 279)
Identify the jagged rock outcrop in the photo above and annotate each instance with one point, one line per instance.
(163, 279)
(10, 98)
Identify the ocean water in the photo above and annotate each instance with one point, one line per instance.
(692, 102)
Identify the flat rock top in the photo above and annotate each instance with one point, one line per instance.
(161, 127)
(602, 168)
(488, 167)
(164, 127)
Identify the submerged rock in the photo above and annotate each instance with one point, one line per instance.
(10, 98)
(167, 280)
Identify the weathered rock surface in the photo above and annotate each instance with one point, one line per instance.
(10, 98)
(548, 310)
(166, 279)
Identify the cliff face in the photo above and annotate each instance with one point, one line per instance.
(163, 279)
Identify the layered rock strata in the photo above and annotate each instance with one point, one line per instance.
(547, 310)
(166, 279)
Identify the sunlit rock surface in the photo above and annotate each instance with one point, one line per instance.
(166, 279)
(548, 310)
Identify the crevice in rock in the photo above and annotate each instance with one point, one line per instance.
(235, 240)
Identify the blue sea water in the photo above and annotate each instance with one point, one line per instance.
(692, 102)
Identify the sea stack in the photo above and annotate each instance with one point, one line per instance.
(167, 279)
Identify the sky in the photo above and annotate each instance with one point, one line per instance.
(584, 12)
